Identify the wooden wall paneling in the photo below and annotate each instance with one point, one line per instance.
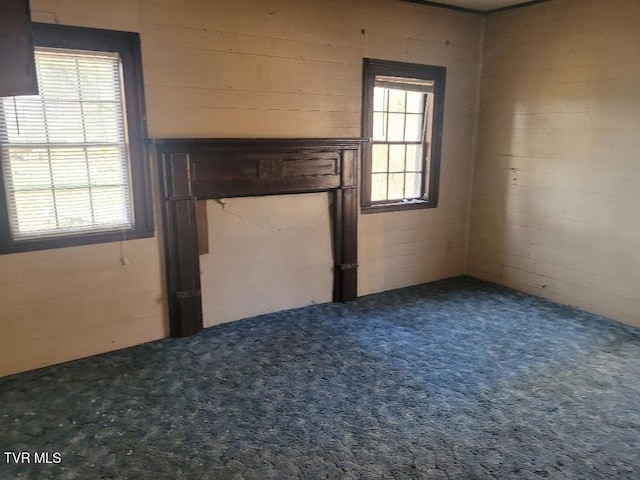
(203, 169)
(555, 198)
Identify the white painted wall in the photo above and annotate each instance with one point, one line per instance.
(556, 200)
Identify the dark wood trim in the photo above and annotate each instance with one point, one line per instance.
(473, 10)
(200, 169)
(170, 145)
(397, 207)
(202, 224)
(181, 245)
(74, 241)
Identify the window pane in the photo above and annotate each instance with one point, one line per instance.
(380, 126)
(97, 80)
(110, 206)
(69, 168)
(73, 208)
(414, 158)
(378, 186)
(396, 186)
(107, 165)
(23, 120)
(415, 102)
(379, 99)
(32, 219)
(380, 158)
(57, 77)
(396, 158)
(27, 168)
(413, 185)
(63, 123)
(413, 131)
(396, 127)
(101, 123)
(396, 100)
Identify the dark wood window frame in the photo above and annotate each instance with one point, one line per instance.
(373, 68)
(127, 45)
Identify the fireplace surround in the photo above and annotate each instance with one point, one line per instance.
(202, 169)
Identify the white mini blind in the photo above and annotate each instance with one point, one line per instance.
(64, 152)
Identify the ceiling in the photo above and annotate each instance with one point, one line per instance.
(482, 6)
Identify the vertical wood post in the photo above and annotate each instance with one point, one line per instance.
(345, 236)
(180, 233)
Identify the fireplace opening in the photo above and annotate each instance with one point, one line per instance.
(265, 254)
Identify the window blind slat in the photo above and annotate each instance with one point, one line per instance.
(64, 151)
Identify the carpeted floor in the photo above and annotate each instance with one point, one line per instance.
(457, 379)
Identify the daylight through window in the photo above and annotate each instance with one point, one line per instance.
(73, 168)
(402, 114)
(401, 123)
(64, 151)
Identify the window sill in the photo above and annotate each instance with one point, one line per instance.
(397, 207)
(32, 245)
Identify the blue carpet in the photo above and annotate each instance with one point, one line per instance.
(457, 379)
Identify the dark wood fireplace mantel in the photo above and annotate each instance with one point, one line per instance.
(200, 169)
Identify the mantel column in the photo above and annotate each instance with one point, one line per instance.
(182, 260)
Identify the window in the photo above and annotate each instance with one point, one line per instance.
(73, 165)
(402, 114)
